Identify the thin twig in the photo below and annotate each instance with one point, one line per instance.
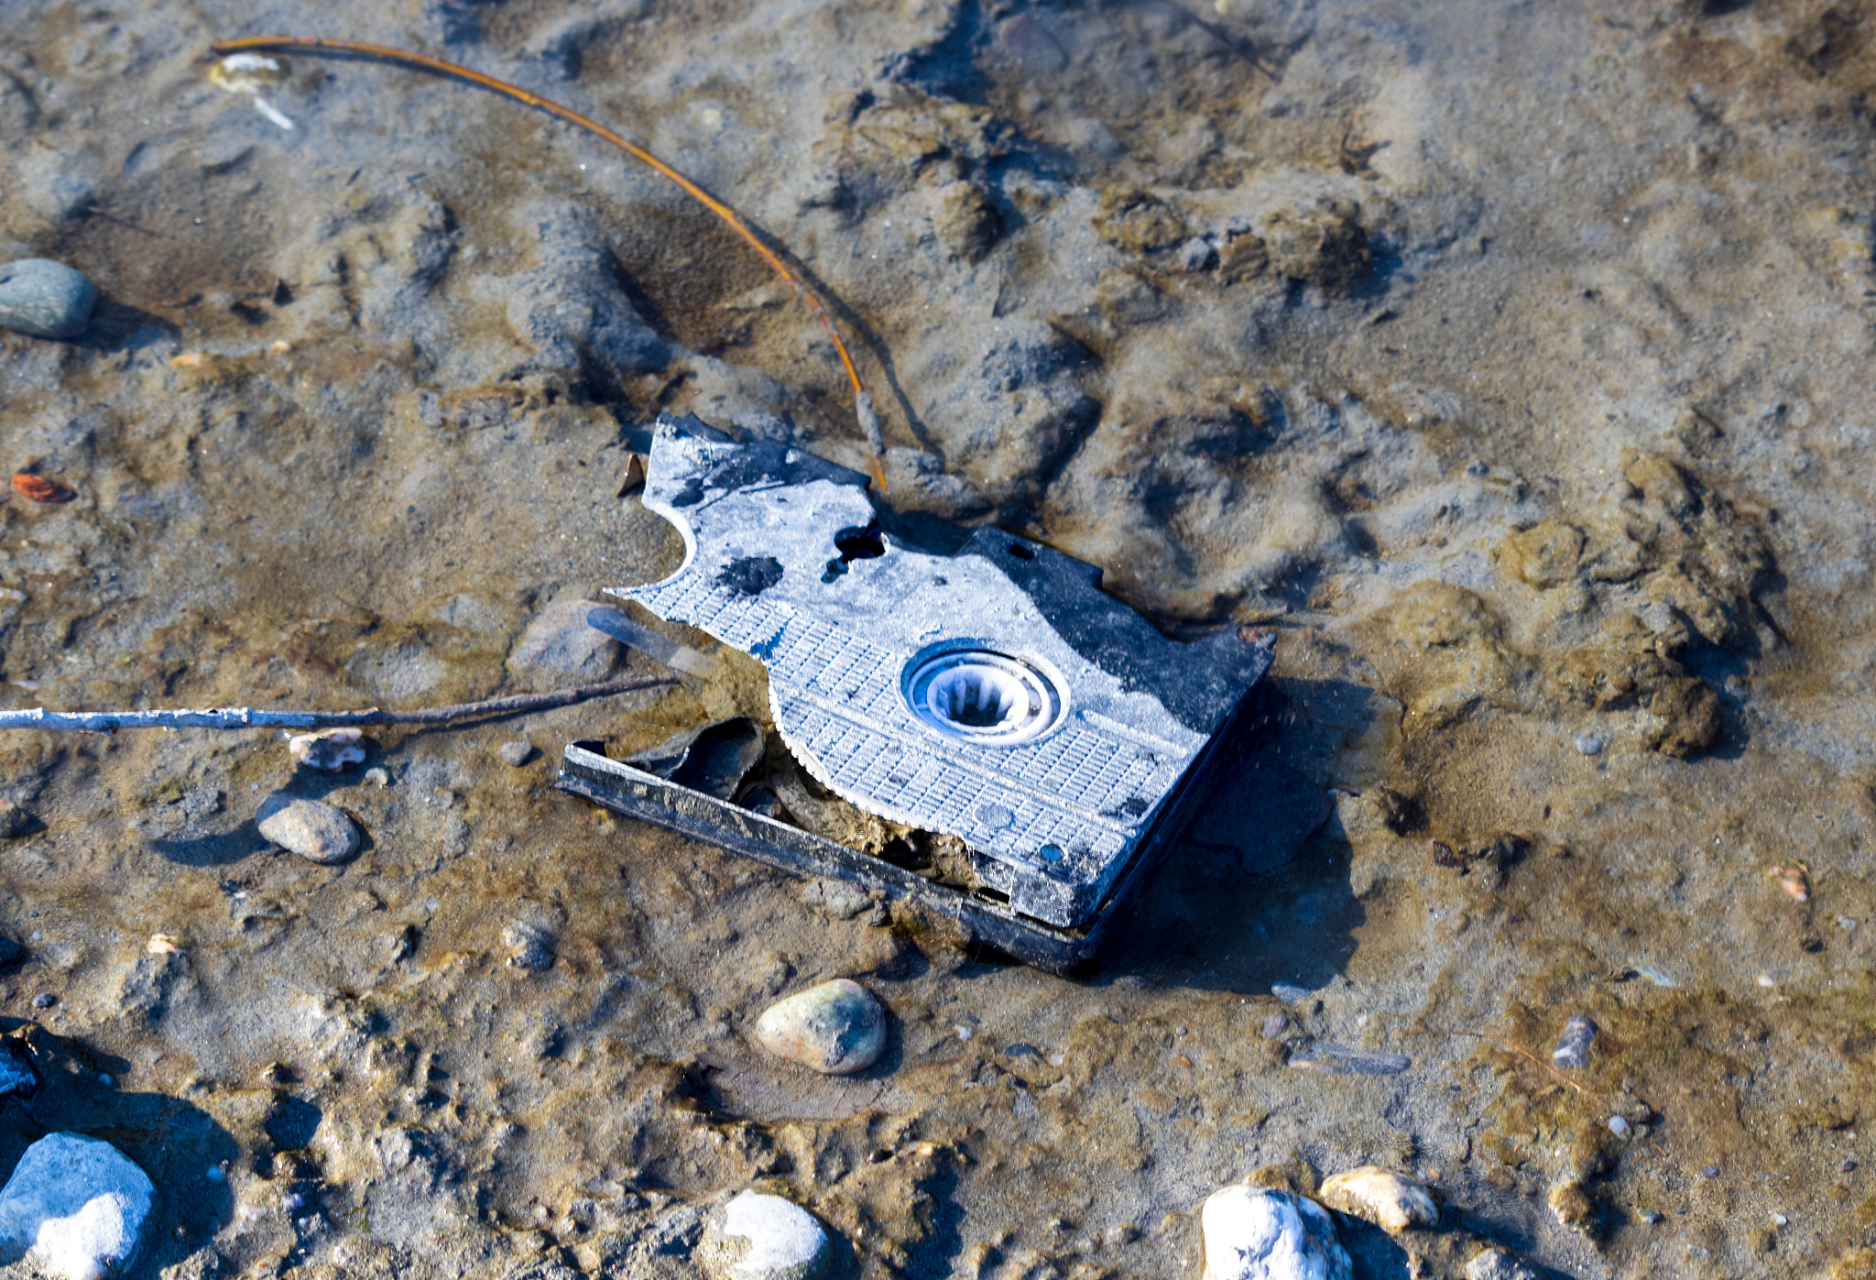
(862, 402)
(1523, 1053)
(248, 718)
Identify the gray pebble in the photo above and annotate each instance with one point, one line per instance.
(530, 945)
(1573, 1045)
(1275, 1025)
(1289, 992)
(1711, 1171)
(1589, 744)
(1496, 1264)
(45, 1000)
(310, 828)
(1650, 1217)
(567, 638)
(516, 753)
(45, 299)
(838, 898)
(836, 1028)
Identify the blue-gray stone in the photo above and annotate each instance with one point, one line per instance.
(45, 299)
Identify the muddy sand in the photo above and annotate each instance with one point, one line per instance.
(1508, 362)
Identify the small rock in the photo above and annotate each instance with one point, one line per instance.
(1254, 1233)
(1620, 1128)
(762, 1237)
(838, 898)
(310, 828)
(1392, 1201)
(1496, 1264)
(44, 1000)
(45, 299)
(328, 750)
(378, 777)
(530, 944)
(1572, 1207)
(75, 1208)
(1589, 744)
(1848, 1166)
(1710, 1171)
(568, 638)
(1289, 992)
(516, 753)
(837, 1028)
(1650, 1217)
(1275, 1025)
(1573, 1045)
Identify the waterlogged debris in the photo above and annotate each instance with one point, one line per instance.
(837, 1028)
(41, 490)
(763, 1237)
(1392, 1201)
(1572, 1049)
(251, 73)
(1794, 880)
(1340, 1060)
(1256, 1233)
(327, 751)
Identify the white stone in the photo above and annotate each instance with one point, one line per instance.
(1392, 1201)
(763, 1237)
(1252, 1233)
(75, 1208)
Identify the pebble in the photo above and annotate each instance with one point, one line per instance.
(1573, 1045)
(76, 1207)
(530, 945)
(1620, 1128)
(45, 299)
(763, 1237)
(1254, 1233)
(1589, 744)
(310, 828)
(45, 1000)
(1711, 1171)
(1650, 1217)
(837, 1028)
(1496, 1264)
(1392, 1201)
(567, 638)
(1848, 1166)
(329, 750)
(1289, 992)
(516, 753)
(1275, 1025)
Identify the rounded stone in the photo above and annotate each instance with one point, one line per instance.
(763, 1237)
(837, 1028)
(1392, 1201)
(1255, 1233)
(45, 299)
(516, 753)
(313, 830)
(75, 1208)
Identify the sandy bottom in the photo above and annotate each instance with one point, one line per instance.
(1510, 363)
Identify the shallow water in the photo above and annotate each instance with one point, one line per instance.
(1508, 362)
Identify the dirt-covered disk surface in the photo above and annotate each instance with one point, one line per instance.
(1509, 361)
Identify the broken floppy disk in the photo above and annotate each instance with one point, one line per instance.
(993, 697)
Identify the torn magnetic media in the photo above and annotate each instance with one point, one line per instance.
(990, 701)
